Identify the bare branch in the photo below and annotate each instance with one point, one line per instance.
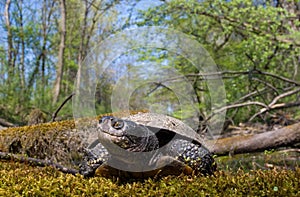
(273, 104)
(267, 84)
(252, 94)
(240, 105)
(280, 77)
(245, 73)
(234, 106)
(224, 73)
(283, 95)
(59, 108)
(37, 162)
(276, 106)
(266, 66)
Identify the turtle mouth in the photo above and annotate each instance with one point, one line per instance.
(108, 132)
(113, 130)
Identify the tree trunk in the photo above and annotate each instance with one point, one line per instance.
(9, 39)
(81, 51)
(60, 64)
(286, 136)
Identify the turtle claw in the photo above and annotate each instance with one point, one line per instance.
(90, 163)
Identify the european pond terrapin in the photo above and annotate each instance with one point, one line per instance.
(145, 145)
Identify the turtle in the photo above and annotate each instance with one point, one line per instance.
(146, 145)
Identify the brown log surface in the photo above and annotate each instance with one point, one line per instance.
(5, 123)
(286, 136)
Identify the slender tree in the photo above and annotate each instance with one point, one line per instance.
(60, 63)
(10, 47)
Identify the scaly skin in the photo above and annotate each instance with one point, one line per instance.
(193, 155)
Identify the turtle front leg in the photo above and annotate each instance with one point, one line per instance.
(94, 157)
(194, 155)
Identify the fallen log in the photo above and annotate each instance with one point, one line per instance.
(286, 136)
(5, 123)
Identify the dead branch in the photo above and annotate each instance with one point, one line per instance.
(251, 94)
(222, 73)
(235, 106)
(275, 106)
(36, 162)
(267, 84)
(289, 93)
(280, 78)
(60, 107)
(286, 136)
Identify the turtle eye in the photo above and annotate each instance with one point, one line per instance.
(117, 124)
(102, 120)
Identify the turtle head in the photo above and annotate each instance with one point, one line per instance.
(126, 134)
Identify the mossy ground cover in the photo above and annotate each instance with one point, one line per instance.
(24, 180)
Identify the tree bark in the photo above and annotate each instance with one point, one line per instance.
(286, 136)
(82, 50)
(60, 64)
(9, 38)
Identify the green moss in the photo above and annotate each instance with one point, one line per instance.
(24, 180)
(284, 159)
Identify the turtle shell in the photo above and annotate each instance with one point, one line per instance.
(167, 123)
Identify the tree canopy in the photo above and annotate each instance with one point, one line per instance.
(255, 45)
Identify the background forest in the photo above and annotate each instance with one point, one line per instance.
(255, 45)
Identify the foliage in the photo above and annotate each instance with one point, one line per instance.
(30, 42)
(254, 44)
(244, 38)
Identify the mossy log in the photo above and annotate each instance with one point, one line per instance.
(286, 136)
(59, 142)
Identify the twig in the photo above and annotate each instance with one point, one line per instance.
(289, 150)
(37, 162)
(246, 73)
(222, 74)
(251, 94)
(275, 106)
(280, 77)
(252, 60)
(265, 108)
(266, 66)
(234, 106)
(241, 105)
(267, 84)
(284, 95)
(59, 108)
